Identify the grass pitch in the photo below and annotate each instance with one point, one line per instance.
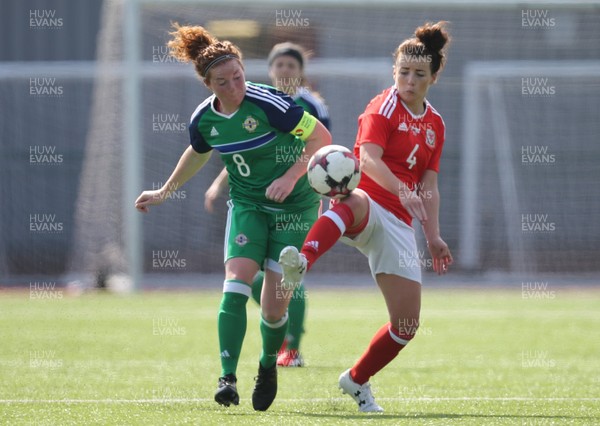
(490, 357)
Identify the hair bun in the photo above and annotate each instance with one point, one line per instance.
(433, 36)
(189, 41)
(201, 40)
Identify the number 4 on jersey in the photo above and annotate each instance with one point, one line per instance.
(412, 159)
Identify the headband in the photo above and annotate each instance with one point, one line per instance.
(217, 60)
(287, 52)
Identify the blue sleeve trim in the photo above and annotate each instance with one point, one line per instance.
(282, 112)
(198, 143)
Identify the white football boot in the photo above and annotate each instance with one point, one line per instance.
(293, 265)
(360, 393)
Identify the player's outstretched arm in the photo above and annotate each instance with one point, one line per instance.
(319, 138)
(188, 165)
(214, 190)
(429, 193)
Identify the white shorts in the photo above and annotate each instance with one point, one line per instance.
(389, 244)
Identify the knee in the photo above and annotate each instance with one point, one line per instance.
(241, 277)
(241, 269)
(272, 315)
(406, 326)
(358, 203)
(240, 272)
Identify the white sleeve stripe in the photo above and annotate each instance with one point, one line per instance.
(266, 93)
(202, 105)
(385, 104)
(267, 97)
(321, 110)
(316, 103)
(394, 103)
(262, 93)
(439, 115)
(388, 106)
(391, 110)
(336, 219)
(279, 107)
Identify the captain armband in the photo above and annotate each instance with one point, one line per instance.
(305, 127)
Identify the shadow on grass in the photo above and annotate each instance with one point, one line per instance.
(246, 414)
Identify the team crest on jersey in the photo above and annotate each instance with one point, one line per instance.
(430, 137)
(241, 240)
(250, 124)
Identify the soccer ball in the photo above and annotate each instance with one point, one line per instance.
(333, 171)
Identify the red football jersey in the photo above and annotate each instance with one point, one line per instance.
(411, 144)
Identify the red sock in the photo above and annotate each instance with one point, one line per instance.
(381, 351)
(326, 231)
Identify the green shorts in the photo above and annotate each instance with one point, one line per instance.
(259, 233)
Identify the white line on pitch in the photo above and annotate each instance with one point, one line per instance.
(196, 400)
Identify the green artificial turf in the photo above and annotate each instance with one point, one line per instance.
(489, 357)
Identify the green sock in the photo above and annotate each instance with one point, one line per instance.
(296, 310)
(257, 286)
(273, 335)
(231, 324)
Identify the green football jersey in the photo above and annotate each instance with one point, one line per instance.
(313, 105)
(255, 144)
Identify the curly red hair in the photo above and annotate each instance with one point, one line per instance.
(195, 44)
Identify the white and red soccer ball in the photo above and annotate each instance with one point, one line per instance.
(333, 171)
